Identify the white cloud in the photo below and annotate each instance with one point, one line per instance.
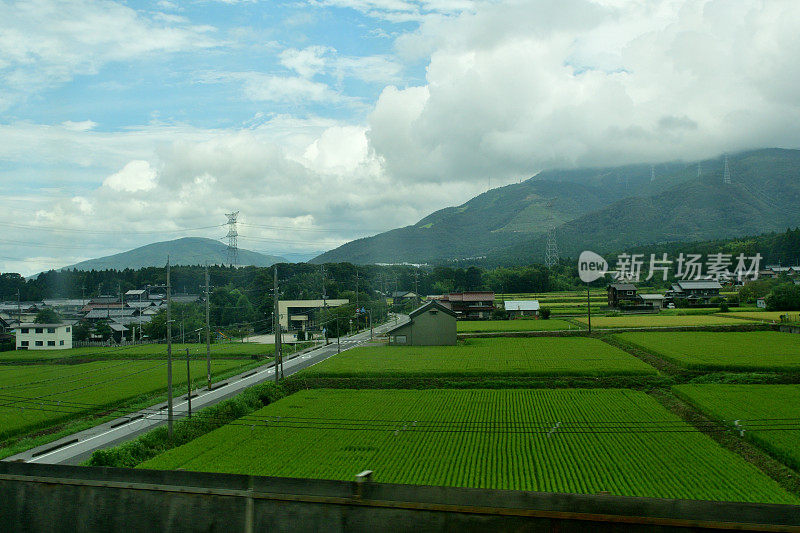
(137, 175)
(521, 86)
(44, 43)
(84, 125)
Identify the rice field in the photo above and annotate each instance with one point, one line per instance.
(766, 316)
(475, 326)
(769, 414)
(143, 351)
(660, 321)
(569, 441)
(728, 350)
(540, 356)
(34, 396)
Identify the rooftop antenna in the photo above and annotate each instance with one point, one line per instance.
(551, 252)
(233, 245)
(726, 172)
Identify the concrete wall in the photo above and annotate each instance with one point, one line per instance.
(37, 497)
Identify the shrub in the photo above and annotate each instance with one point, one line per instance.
(544, 313)
(723, 307)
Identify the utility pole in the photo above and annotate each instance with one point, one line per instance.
(188, 384)
(19, 312)
(208, 336)
(169, 353)
(357, 307)
(589, 309)
(277, 320)
(370, 324)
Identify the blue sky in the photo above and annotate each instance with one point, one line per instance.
(124, 123)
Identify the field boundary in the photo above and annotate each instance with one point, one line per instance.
(631, 381)
(759, 457)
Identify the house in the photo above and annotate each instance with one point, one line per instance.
(4, 325)
(695, 291)
(656, 301)
(109, 313)
(622, 294)
(471, 305)
(44, 336)
(518, 308)
(299, 315)
(431, 324)
(402, 296)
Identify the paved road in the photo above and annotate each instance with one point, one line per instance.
(76, 448)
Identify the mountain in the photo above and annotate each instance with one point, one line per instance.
(185, 251)
(763, 196)
(603, 209)
(490, 221)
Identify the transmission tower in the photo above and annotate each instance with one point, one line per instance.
(726, 172)
(652, 173)
(233, 245)
(551, 252)
(699, 169)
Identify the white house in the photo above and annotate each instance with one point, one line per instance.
(522, 307)
(44, 336)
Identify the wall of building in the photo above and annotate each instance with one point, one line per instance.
(61, 338)
(37, 497)
(434, 328)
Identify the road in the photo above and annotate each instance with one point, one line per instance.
(76, 448)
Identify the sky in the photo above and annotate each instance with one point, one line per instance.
(321, 121)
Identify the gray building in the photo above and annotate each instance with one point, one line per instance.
(429, 325)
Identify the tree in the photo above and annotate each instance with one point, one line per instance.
(785, 297)
(47, 316)
(544, 312)
(80, 332)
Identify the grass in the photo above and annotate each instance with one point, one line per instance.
(732, 351)
(231, 350)
(770, 414)
(655, 321)
(473, 326)
(516, 357)
(39, 396)
(618, 441)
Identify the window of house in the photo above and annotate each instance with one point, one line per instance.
(39, 330)
(51, 343)
(39, 343)
(400, 339)
(24, 343)
(61, 343)
(51, 330)
(25, 330)
(67, 329)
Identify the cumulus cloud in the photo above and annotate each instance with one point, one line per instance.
(136, 176)
(520, 86)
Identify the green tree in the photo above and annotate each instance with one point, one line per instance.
(785, 297)
(47, 316)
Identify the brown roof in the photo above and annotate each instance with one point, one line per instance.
(470, 296)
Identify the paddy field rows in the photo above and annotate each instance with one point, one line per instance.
(516, 357)
(580, 441)
(769, 415)
(717, 351)
(478, 326)
(37, 396)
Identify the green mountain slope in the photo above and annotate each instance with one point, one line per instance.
(490, 221)
(764, 196)
(186, 251)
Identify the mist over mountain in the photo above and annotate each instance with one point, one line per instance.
(185, 251)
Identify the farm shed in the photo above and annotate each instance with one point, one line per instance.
(622, 294)
(432, 324)
(517, 308)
